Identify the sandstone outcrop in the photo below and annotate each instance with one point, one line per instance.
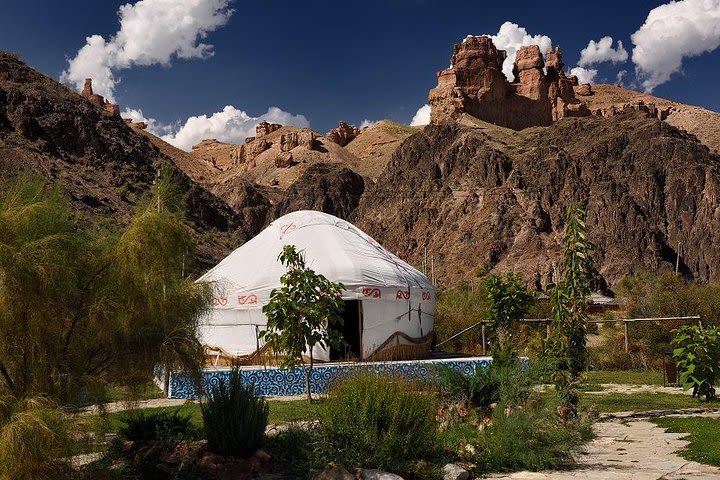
(264, 128)
(98, 100)
(305, 138)
(584, 90)
(284, 160)
(343, 134)
(475, 84)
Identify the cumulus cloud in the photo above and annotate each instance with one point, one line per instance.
(510, 37)
(153, 126)
(151, 32)
(367, 123)
(230, 125)
(671, 32)
(584, 75)
(422, 116)
(602, 51)
(620, 78)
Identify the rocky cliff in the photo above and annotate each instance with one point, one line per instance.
(483, 198)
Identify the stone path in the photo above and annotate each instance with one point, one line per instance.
(628, 450)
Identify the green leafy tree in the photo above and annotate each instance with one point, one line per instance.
(81, 307)
(302, 313)
(697, 353)
(508, 301)
(567, 344)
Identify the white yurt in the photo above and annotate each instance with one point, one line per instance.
(389, 305)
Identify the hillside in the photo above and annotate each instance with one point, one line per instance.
(103, 165)
(483, 198)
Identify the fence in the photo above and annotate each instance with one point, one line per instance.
(626, 321)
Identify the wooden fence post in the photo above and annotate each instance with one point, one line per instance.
(482, 329)
(627, 340)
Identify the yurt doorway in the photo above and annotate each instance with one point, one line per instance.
(351, 332)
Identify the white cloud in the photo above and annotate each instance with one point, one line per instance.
(151, 32)
(620, 79)
(153, 126)
(584, 75)
(422, 116)
(230, 125)
(671, 32)
(367, 123)
(602, 51)
(510, 38)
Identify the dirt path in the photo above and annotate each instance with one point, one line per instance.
(629, 450)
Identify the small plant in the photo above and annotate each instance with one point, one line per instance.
(234, 418)
(168, 428)
(374, 421)
(302, 313)
(508, 301)
(697, 353)
(480, 389)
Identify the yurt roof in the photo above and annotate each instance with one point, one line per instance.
(331, 246)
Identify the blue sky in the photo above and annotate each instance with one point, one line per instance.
(331, 61)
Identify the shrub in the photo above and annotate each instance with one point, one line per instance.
(35, 439)
(374, 421)
(697, 354)
(479, 389)
(163, 426)
(234, 418)
(294, 451)
(532, 438)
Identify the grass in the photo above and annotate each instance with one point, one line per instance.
(280, 412)
(640, 402)
(704, 436)
(627, 377)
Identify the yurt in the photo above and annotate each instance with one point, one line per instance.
(389, 305)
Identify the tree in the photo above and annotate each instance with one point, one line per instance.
(569, 308)
(302, 313)
(82, 306)
(508, 301)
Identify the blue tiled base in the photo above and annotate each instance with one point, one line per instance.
(274, 381)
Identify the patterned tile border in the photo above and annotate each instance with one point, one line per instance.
(273, 381)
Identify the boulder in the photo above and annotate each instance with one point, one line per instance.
(452, 471)
(284, 160)
(584, 90)
(372, 474)
(334, 473)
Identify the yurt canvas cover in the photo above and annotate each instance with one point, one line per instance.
(389, 304)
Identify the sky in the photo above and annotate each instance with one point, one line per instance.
(197, 69)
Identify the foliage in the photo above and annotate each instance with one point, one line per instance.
(697, 354)
(35, 436)
(532, 438)
(234, 418)
(82, 307)
(626, 377)
(374, 421)
(508, 301)
(664, 295)
(569, 305)
(704, 436)
(481, 389)
(302, 313)
(457, 309)
(295, 450)
(165, 427)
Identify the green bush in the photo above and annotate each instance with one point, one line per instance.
(479, 389)
(295, 450)
(697, 353)
(234, 418)
(532, 438)
(167, 428)
(372, 421)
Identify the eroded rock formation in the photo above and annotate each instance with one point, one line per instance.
(475, 84)
(343, 134)
(264, 128)
(98, 100)
(305, 138)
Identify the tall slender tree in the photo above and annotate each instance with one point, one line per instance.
(567, 344)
